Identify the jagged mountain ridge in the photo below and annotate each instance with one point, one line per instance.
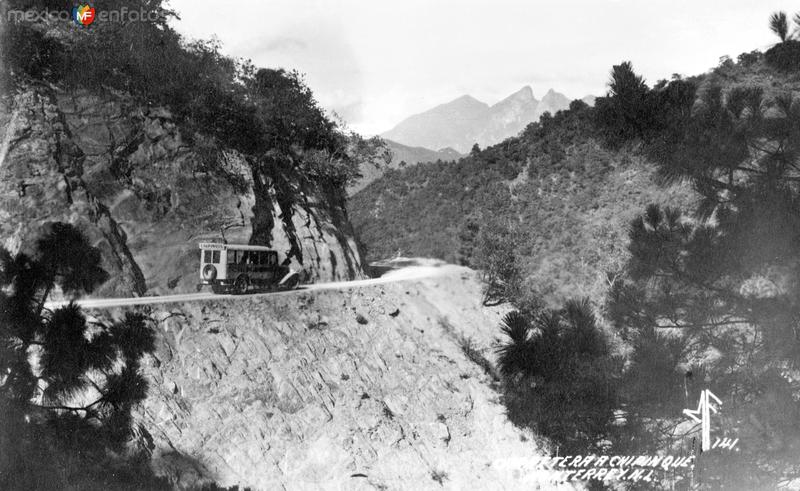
(465, 121)
(448, 125)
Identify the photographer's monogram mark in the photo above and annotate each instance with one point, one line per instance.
(704, 409)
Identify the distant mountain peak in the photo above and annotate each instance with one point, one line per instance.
(551, 94)
(466, 98)
(465, 107)
(552, 102)
(465, 101)
(466, 120)
(525, 92)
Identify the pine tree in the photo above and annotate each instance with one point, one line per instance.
(495, 254)
(719, 288)
(67, 385)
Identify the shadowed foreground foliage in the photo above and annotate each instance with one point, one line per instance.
(68, 384)
(560, 377)
(722, 284)
(707, 298)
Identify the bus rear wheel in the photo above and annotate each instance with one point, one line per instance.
(241, 284)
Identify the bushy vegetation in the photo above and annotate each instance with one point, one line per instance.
(707, 296)
(723, 280)
(785, 55)
(68, 384)
(560, 198)
(268, 116)
(703, 294)
(559, 377)
(492, 249)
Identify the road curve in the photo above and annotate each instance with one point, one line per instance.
(404, 274)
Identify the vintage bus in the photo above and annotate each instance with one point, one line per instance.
(235, 268)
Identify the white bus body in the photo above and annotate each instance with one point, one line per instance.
(237, 267)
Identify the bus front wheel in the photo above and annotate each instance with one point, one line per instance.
(292, 282)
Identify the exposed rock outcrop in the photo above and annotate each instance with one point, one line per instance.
(41, 181)
(125, 175)
(357, 389)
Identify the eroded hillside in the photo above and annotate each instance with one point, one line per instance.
(361, 388)
(566, 200)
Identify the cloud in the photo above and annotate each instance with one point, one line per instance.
(376, 63)
(320, 49)
(351, 113)
(283, 44)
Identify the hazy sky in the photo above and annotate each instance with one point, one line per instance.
(376, 62)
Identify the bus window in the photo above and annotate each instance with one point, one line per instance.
(211, 256)
(273, 258)
(263, 258)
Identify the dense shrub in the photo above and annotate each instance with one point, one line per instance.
(751, 58)
(559, 376)
(784, 56)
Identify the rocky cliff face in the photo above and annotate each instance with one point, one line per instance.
(508, 117)
(366, 388)
(125, 175)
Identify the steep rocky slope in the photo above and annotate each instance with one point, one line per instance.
(145, 196)
(365, 388)
(508, 117)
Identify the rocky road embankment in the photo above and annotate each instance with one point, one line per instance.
(367, 388)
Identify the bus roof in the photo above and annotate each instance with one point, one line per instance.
(216, 246)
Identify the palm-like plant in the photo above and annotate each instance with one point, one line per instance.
(779, 24)
(796, 20)
(561, 377)
(625, 83)
(514, 357)
(584, 336)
